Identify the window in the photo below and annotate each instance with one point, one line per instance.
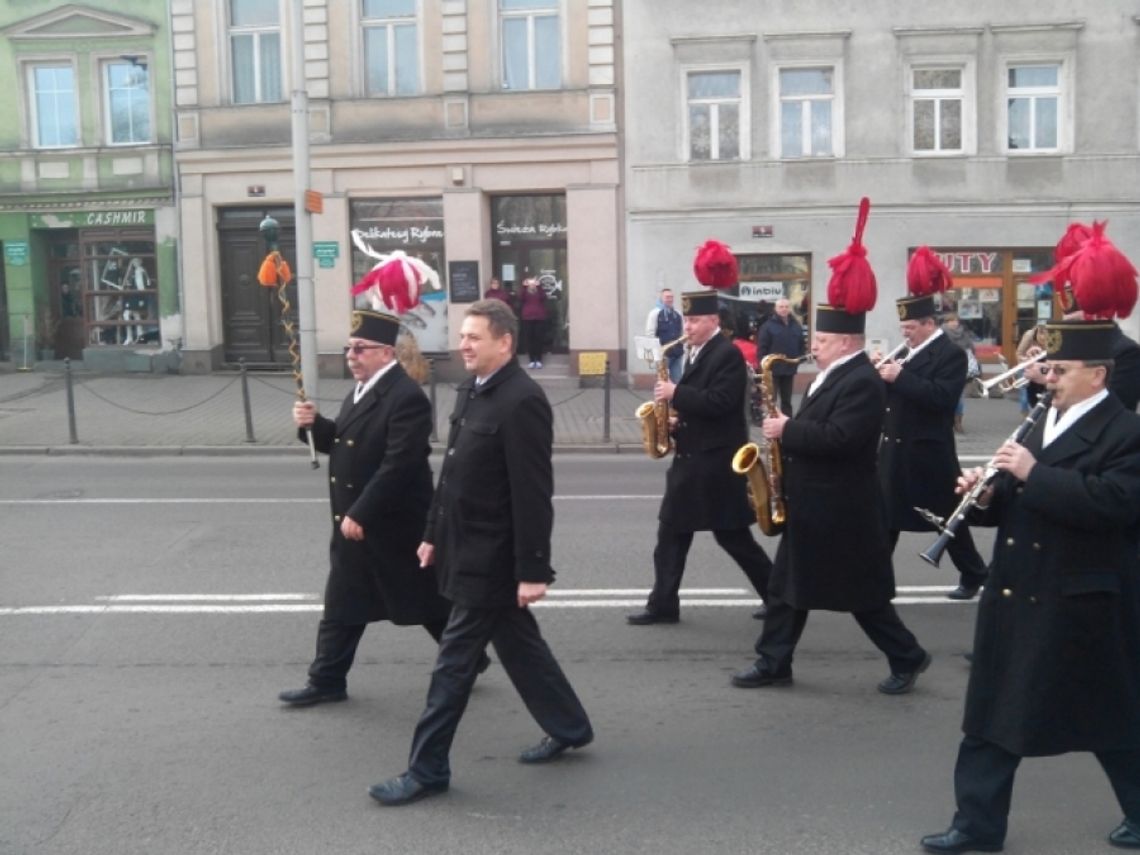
(127, 102)
(532, 55)
(1033, 99)
(121, 296)
(54, 110)
(391, 56)
(808, 119)
(937, 104)
(255, 47)
(715, 118)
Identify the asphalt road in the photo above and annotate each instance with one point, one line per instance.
(151, 609)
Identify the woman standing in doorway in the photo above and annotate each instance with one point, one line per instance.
(533, 314)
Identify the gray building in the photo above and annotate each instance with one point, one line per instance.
(979, 129)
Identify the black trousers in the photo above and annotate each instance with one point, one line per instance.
(785, 624)
(983, 786)
(336, 648)
(784, 384)
(669, 564)
(533, 336)
(972, 570)
(530, 666)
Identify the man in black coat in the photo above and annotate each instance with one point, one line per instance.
(379, 492)
(488, 535)
(782, 335)
(1057, 645)
(702, 493)
(918, 462)
(835, 553)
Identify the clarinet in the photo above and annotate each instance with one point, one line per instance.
(948, 527)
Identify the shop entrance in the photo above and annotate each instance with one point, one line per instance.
(251, 312)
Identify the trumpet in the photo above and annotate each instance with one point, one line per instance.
(899, 348)
(948, 528)
(1010, 379)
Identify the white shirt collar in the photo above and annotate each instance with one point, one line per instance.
(911, 351)
(362, 389)
(1055, 426)
(819, 378)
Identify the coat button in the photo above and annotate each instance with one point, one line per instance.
(336, 517)
(350, 443)
(1009, 541)
(1033, 600)
(337, 441)
(1006, 592)
(462, 422)
(450, 452)
(349, 486)
(332, 480)
(1037, 546)
(898, 441)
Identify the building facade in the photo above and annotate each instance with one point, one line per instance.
(87, 216)
(978, 129)
(479, 136)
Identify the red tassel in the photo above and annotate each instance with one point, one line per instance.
(274, 270)
(396, 281)
(715, 265)
(1104, 280)
(852, 286)
(926, 274)
(1071, 241)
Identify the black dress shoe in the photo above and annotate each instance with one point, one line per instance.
(646, 617)
(1126, 835)
(310, 695)
(549, 748)
(757, 675)
(900, 684)
(761, 612)
(957, 841)
(403, 790)
(964, 592)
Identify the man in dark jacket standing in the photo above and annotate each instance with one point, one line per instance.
(918, 460)
(834, 554)
(783, 335)
(1057, 645)
(379, 491)
(488, 535)
(702, 493)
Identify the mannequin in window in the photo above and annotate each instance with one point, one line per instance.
(135, 305)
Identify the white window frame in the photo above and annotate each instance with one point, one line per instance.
(838, 146)
(557, 12)
(105, 64)
(967, 94)
(743, 104)
(390, 24)
(1063, 92)
(257, 31)
(33, 107)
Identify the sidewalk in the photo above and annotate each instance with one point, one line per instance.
(203, 414)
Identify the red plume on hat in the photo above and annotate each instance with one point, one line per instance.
(715, 265)
(852, 286)
(396, 282)
(1103, 280)
(926, 274)
(1075, 235)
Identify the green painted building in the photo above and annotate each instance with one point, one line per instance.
(88, 220)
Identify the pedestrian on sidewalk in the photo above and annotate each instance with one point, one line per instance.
(488, 536)
(782, 335)
(664, 324)
(379, 491)
(533, 313)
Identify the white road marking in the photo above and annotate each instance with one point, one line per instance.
(254, 500)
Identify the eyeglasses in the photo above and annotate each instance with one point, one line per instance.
(357, 349)
(1058, 370)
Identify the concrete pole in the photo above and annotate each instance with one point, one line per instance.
(306, 299)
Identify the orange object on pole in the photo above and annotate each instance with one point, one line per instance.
(314, 202)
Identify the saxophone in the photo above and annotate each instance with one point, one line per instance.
(760, 464)
(654, 416)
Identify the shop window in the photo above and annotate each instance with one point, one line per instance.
(127, 100)
(121, 297)
(255, 51)
(809, 106)
(391, 47)
(1034, 107)
(717, 115)
(764, 279)
(938, 106)
(531, 42)
(54, 109)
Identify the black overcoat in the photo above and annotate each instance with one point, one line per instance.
(1125, 379)
(702, 492)
(492, 515)
(379, 476)
(918, 462)
(835, 553)
(1057, 644)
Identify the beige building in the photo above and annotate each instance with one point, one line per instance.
(479, 136)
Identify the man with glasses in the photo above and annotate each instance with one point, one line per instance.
(379, 491)
(1056, 664)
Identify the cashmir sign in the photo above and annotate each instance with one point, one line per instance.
(94, 219)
